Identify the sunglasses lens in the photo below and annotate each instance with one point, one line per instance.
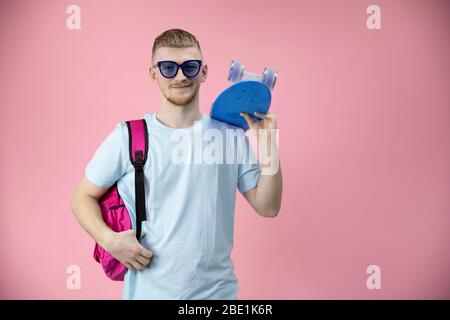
(191, 68)
(168, 69)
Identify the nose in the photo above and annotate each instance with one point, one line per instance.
(180, 75)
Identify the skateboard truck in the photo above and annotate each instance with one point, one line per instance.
(238, 73)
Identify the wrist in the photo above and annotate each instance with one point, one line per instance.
(266, 134)
(106, 239)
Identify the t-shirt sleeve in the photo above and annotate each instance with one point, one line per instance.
(249, 169)
(109, 162)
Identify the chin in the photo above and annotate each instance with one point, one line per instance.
(180, 100)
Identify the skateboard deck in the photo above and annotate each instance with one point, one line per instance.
(244, 96)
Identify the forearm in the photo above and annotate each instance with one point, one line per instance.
(269, 190)
(88, 214)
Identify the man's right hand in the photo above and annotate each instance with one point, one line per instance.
(124, 247)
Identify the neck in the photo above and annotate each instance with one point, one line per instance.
(179, 116)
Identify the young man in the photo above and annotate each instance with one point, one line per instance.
(188, 236)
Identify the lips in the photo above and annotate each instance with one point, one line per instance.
(179, 87)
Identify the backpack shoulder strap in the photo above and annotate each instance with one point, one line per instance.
(138, 141)
(138, 150)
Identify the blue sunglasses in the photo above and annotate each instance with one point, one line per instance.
(169, 69)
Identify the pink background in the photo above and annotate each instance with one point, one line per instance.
(364, 138)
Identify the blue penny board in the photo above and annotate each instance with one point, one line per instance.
(244, 96)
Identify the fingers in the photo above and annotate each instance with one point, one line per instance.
(139, 260)
(146, 253)
(142, 260)
(129, 266)
(135, 264)
(247, 117)
(268, 115)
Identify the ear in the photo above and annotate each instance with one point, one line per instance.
(204, 72)
(152, 72)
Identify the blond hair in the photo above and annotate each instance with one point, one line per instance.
(175, 38)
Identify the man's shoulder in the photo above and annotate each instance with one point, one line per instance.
(121, 128)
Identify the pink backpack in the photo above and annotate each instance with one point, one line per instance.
(114, 211)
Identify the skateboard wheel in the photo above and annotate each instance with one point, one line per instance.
(269, 78)
(236, 71)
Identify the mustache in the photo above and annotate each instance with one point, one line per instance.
(182, 84)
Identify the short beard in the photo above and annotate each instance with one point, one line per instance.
(182, 101)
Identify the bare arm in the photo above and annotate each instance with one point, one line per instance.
(122, 245)
(265, 199)
(87, 211)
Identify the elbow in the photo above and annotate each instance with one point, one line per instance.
(73, 204)
(270, 212)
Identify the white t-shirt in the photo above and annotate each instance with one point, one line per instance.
(189, 205)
